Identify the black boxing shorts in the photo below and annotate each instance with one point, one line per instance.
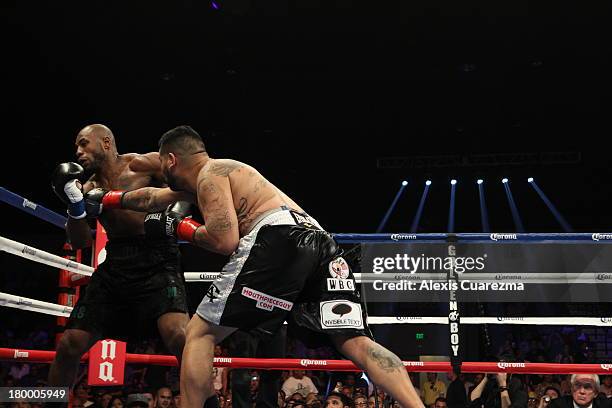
(287, 268)
(140, 280)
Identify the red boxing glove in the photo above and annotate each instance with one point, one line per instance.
(186, 229)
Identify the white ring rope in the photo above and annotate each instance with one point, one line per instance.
(23, 303)
(47, 258)
(33, 305)
(37, 255)
(40, 256)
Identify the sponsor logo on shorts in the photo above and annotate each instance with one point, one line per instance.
(503, 319)
(604, 276)
(601, 237)
(341, 314)
(213, 290)
(227, 360)
(606, 319)
(340, 285)
(21, 354)
(303, 220)
(338, 268)
(606, 367)
(28, 204)
(502, 237)
(405, 318)
(266, 302)
(414, 364)
(306, 363)
(402, 237)
(503, 366)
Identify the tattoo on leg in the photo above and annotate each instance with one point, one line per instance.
(384, 358)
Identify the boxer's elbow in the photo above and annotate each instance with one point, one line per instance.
(227, 248)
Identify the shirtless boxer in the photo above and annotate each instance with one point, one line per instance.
(282, 266)
(140, 283)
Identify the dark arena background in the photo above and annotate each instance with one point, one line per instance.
(337, 103)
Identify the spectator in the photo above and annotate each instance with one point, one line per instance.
(338, 400)
(138, 401)
(585, 389)
(176, 399)
(360, 401)
(432, 389)
(547, 382)
(606, 386)
(296, 401)
(313, 401)
(163, 397)
(440, 403)
(550, 393)
(148, 394)
(103, 400)
(499, 391)
(299, 382)
(456, 396)
(116, 402)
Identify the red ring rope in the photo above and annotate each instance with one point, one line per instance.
(38, 356)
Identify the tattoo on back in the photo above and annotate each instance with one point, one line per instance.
(241, 210)
(384, 358)
(225, 168)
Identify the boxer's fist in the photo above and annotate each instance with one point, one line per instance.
(98, 198)
(172, 222)
(66, 183)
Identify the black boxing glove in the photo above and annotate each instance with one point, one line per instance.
(98, 198)
(173, 222)
(66, 183)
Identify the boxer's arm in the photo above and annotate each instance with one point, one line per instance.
(150, 164)
(79, 231)
(214, 197)
(151, 199)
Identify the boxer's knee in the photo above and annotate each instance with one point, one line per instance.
(73, 345)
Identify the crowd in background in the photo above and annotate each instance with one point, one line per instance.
(160, 385)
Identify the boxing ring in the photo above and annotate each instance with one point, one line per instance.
(74, 274)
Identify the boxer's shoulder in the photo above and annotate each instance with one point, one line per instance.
(143, 163)
(222, 167)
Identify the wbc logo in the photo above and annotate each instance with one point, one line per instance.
(107, 362)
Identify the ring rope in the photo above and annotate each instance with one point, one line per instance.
(33, 305)
(38, 356)
(40, 256)
(24, 303)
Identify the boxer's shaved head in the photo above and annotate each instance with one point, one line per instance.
(95, 144)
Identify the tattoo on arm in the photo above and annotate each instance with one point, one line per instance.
(384, 358)
(142, 199)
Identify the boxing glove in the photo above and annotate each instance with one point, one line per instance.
(66, 183)
(172, 222)
(98, 198)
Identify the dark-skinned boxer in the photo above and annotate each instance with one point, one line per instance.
(140, 285)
